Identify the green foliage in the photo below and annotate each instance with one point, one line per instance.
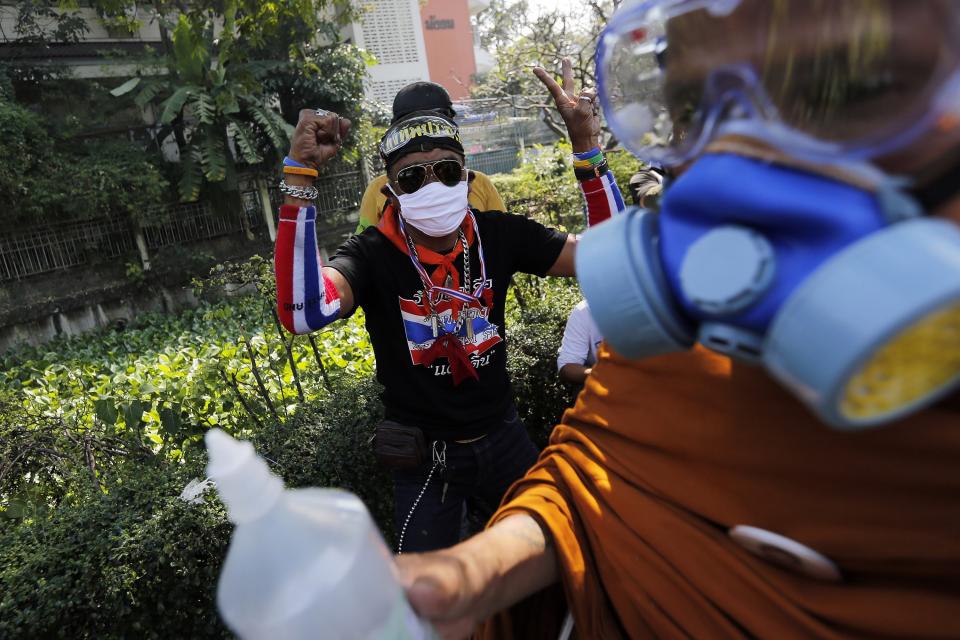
(100, 434)
(25, 148)
(327, 444)
(131, 559)
(153, 390)
(134, 272)
(543, 186)
(330, 77)
(624, 165)
(535, 330)
(47, 178)
(45, 21)
(229, 65)
(135, 562)
(39, 23)
(111, 176)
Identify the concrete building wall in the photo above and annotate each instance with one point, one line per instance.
(390, 30)
(86, 59)
(415, 40)
(448, 38)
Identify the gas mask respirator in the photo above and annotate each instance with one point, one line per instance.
(823, 270)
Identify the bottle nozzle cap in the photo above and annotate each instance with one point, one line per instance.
(244, 482)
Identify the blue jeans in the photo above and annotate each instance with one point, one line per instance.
(477, 475)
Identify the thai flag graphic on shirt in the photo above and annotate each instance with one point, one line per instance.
(419, 329)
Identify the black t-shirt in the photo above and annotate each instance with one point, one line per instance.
(387, 287)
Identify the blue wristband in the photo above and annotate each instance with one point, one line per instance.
(290, 162)
(587, 155)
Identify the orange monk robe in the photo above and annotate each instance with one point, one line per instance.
(658, 458)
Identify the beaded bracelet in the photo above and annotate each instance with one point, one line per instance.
(586, 164)
(588, 173)
(589, 158)
(301, 171)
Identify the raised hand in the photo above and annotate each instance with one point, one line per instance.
(318, 137)
(578, 110)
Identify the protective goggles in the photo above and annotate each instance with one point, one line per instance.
(434, 128)
(855, 79)
(447, 171)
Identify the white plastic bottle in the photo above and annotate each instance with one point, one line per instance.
(303, 563)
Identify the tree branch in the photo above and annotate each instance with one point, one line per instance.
(260, 385)
(316, 355)
(232, 383)
(288, 347)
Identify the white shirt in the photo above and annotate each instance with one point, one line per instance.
(581, 337)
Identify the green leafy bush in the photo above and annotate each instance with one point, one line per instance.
(100, 434)
(534, 334)
(180, 363)
(327, 444)
(133, 560)
(544, 187)
(44, 178)
(137, 561)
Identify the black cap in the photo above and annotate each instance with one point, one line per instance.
(422, 96)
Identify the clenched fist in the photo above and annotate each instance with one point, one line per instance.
(318, 137)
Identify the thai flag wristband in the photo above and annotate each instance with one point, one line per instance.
(602, 198)
(306, 299)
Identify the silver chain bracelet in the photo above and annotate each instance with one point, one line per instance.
(301, 193)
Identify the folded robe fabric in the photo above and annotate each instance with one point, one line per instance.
(659, 458)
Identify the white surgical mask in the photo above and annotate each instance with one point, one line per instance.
(435, 209)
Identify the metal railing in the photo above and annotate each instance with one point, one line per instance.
(58, 247)
(188, 223)
(338, 192)
(62, 246)
(477, 110)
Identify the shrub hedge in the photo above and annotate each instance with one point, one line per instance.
(138, 561)
(129, 558)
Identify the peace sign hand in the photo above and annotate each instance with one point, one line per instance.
(579, 111)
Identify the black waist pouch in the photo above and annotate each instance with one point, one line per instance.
(397, 446)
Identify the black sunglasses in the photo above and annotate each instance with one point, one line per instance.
(448, 171)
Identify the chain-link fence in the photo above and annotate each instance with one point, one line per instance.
(491, 124)
(499, 161)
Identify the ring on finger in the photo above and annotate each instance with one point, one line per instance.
(321, 112)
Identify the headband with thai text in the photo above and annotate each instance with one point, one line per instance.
(406, 131)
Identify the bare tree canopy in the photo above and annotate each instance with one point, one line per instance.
(522, 37)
